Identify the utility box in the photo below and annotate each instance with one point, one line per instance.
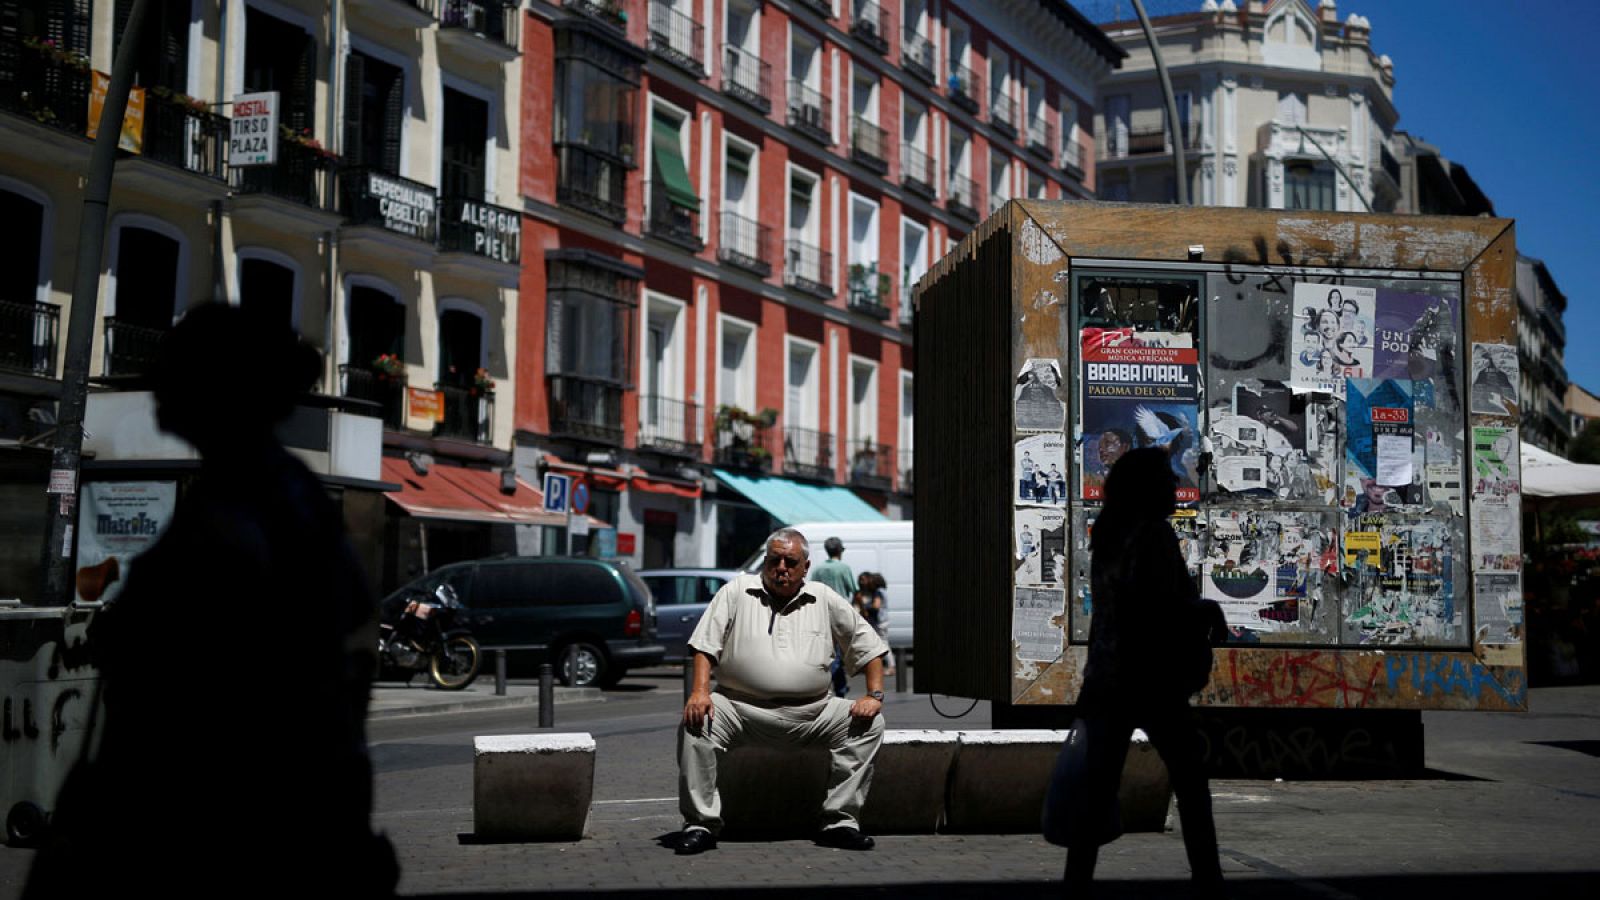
(1338, 395)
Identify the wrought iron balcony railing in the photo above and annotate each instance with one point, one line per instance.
(870, 291)
(746, 78)
(1003, 113)
(677, 38)
(916, 171)
(130, 348)
(871, 465)
(492, 20)
(371, 196)
(669, 425)
(963, 87)
(28, 334)
(669, 221)
(1072, 157)
(808, 268)
(745, 243)
(744, 445)
(869, 144)
(611, 12)
(810, 112)
(906, 485)
(823, 8)
(1153, 139)
(916, 55)
(870, 25)
(808, 454)
(1041, 137)
(963, 198)
(43, 82)
(387, 391)
(591, 182)
(303, 175)
(195, 140)
(468, 413)
(585, 409)
(479, 228)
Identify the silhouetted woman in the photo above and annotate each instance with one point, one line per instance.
(236, 663)
(1139, 585)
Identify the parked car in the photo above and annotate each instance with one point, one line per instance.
(598, 606)
(681, 597)
(883, 547)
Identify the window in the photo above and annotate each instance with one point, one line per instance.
(1184, 101)
(1070, 153)
(464, 164)
(591, 310)
(374, 112)
(460, 346)
(147, 277)
(803, 258)
(744, 27)
(662, 375)
(596, 85)
(915, 251)
(805, 63)
(1038, 110)
(162, 58)
(999, 181)
(801, 409)
(736, 369)
(863, 403)
(1116, 189)
(1036, 185)
(1001, 110)
(1307, 185)
(740, 179)
(282, 57)
(377, 325)
(268, 287)
(960, 43)
(864, 282)
(960, 157)
(20, 255)
(907, 409)
(1118, 112)
(671, 201)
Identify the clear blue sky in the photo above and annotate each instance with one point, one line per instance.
(1508, 90)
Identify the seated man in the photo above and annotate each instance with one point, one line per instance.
(772, 639)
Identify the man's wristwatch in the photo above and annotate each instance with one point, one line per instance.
(876, 695)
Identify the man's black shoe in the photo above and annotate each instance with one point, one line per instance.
(695, 840)
(845, 838)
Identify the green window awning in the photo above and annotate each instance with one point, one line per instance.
(671, 171)
(792, 501)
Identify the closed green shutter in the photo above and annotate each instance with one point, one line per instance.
(674, 176)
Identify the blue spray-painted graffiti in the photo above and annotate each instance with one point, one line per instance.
(1449, 673)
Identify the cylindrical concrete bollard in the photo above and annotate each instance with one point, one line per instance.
(499, 673)
(899, 670)
(547, 696)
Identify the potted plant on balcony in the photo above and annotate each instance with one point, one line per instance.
(388, 367)
(304, 139)
(192, 105)
(482, 383)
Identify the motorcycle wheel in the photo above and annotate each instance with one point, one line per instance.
(456, 664)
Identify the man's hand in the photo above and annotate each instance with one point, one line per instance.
(697, 712)
(864, 708)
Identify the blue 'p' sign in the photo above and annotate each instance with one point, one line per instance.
(555, 493)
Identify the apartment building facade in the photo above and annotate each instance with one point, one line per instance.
(1273, 98)
(726, 203)
(386, 230)
(1541, 358)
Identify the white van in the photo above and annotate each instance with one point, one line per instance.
(883, 547)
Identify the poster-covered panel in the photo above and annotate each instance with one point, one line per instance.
(118, 521)
(1270, 442)
(1034, 616)
(1039, 468)
(1040, 557)
(1383, 460)
(1400, 576)
(1274, 573)
(1333, 336)
(1139, 393)
(1188, 524)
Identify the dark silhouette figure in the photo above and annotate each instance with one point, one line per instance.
(236, 662)
(1140, 586)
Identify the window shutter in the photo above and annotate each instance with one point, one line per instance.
(173, 70)
(298, 104)
(393, 119)
(555, 310)
(355, 73)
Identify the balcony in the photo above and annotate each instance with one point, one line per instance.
(44, 83)
(677, 38)
(963, 87)
(586, 410)
(670, 221)
(808, 268)
(963, 199)
(480, 27)
(468, 414)
(745, 243)
(810, 112)
(906, 485)
(592, 183)
(130, 348)
(870, 291)
(372, 197)
(1003, 113)
(869, 145)
(746, 78)
(668, 425)
(823, 8)
(916, 172)
(28, 335)
(481, 229)
(1041, 138)
(1152, 139)
(303, 175)
(612, 12)
(408, 13)
(184, 133)
(743, 443)
(808, 454)
(386, 390)
(872, 466)
(1072, 158)
(870, 25)
(916, 55)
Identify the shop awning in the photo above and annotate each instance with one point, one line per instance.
(669, 165)
(618, 480)
(465, 495)
(792, 501)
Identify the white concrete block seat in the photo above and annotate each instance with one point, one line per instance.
(532, 787)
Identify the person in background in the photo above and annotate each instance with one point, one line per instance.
(835, 574)
(871, 600)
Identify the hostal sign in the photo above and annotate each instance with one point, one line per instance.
(405, 208)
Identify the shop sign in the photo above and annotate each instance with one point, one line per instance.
(253, 130)
(625, 543)
(405, 208)
(132, 137)
(423, 408)
(496, 233)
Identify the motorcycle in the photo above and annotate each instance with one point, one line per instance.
(425, 637)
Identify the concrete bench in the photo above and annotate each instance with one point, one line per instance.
(532, 787)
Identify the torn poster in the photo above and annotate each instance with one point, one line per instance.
(1498, 608)
(1382, 461)
(1037, 397)
(1496, 469)
(1494, 379)
(1444, 486)
(1137, 396)
(1333, 336)
(1041, 545)
(1496, 535)
(1041, 469)
(1271, 572)
(1268, 441)
(1033, 628)
(1406, 594)
(1416, 336)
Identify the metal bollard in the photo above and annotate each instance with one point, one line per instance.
(499, 673)
(900, 670)
(688, 680)
(571, 666)
(547, 696)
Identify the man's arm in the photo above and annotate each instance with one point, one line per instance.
(868, 706)
(697, 711)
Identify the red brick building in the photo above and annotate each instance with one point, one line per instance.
(726, 203)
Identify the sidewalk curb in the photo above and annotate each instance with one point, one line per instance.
(463, 703)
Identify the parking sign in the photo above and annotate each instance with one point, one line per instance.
(555, 493)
